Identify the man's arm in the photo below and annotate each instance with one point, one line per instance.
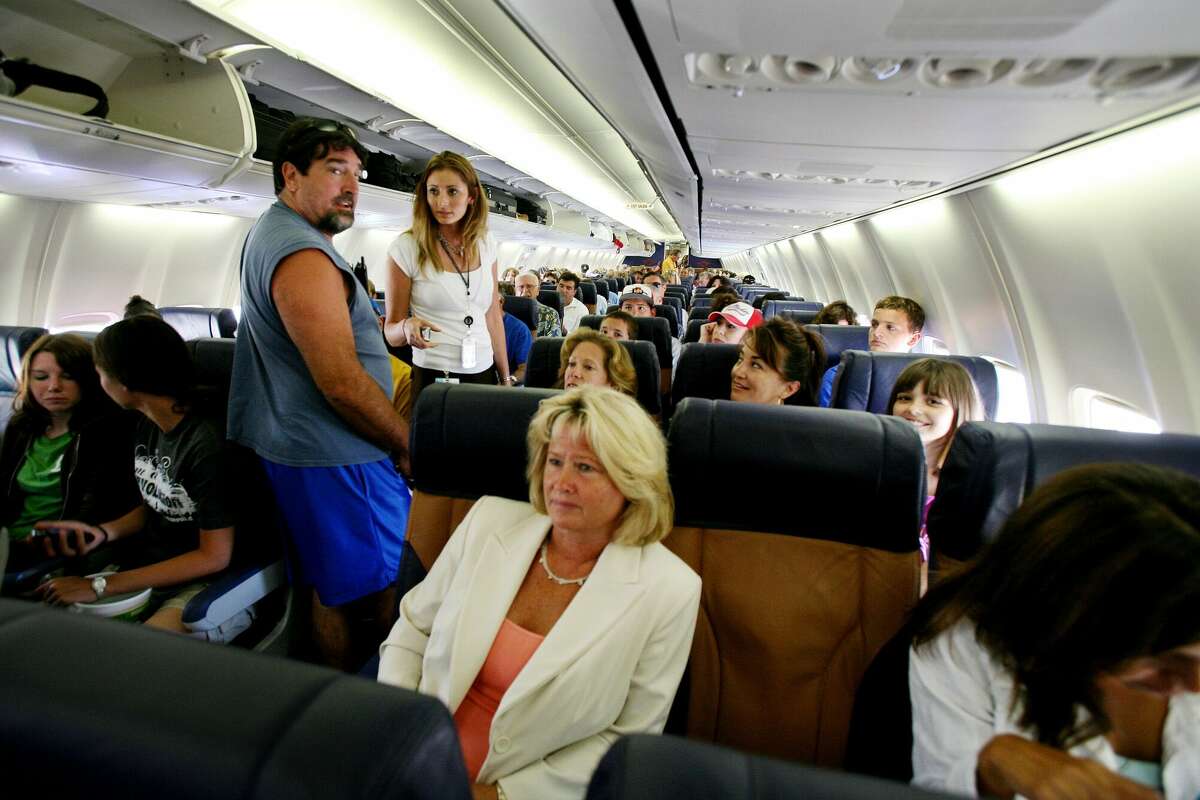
(309, 292)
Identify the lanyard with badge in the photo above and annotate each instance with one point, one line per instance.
(469, 341)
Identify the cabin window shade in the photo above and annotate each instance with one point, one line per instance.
(1095, 409)
(1013, 393)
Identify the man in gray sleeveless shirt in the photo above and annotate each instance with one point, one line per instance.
(311, 394)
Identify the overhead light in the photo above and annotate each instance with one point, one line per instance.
(393, 41)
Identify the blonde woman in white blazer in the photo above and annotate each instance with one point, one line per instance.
(564, 617)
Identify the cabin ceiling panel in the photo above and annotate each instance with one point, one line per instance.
(1044, 27)
(770, 86)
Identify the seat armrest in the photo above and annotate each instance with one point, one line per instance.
(231, 592)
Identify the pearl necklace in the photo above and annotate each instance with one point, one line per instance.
(550, 573)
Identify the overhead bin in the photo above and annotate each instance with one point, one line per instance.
(567, 221)
(175, 127)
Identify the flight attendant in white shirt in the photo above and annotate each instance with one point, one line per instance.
(442, 293)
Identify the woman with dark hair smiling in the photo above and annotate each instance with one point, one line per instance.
(1064, 660)
(778, 362)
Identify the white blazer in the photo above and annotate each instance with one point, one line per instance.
(609, 666)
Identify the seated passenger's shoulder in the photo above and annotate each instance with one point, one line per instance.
(659, 561)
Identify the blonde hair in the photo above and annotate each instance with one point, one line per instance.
(424, 229)
(617, 363)
(628, 445)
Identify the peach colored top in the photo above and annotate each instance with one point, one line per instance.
(510, 652)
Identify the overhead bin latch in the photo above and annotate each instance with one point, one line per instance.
(191, 48)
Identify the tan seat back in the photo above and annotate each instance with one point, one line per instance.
(809, 566)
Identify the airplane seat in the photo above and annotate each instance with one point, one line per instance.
(772, 307)
(644, 767)
(679, 304)
(14, 341)
(794, 606)
(671, 315)
(199, 323)
(544, 360)
(703, 371)
(549, 297)
(95, 708)
(798, 317)
(692, 335)
(523, 308)
(466, 441)
(992, 466)
(865, 381)
(880, 740)
(703, 301)
(840, 338)
(656, 330)
(620, 283)
(587, 295)
(257, 568)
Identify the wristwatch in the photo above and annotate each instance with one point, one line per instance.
(509, 379)
(99, 584)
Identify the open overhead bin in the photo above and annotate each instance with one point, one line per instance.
(175, 129)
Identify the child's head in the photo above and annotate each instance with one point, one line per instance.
(896, 324)
(936, 397)
(144, 354)
(619, 325)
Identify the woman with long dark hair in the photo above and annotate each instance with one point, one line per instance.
(185, 522)
(442, 295)
(1064, 660)
(66, 447)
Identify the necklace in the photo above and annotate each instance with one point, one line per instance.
(468, 320)
(550, 573)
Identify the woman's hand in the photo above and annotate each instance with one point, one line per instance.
(484, 791)
(1010, 765)
(412, 332)
(64, 591)
(68, 537)
(706, 332)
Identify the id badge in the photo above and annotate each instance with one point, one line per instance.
(468, 351)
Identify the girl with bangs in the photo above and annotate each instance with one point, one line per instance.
(442, 296)
(66, 450)
(936, 397)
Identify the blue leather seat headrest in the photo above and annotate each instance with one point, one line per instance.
(468, 440)
(859, 478)
(198, 323)
(544, 360)
(703, 371)
(212, 722)
(549, 297)
(645, 767)
(14, 341)
(587, 293)
(865, 380)
(524, 309)
(992, 467)
(773, 307)
(840, 338)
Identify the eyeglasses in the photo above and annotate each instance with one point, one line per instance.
(332, 126)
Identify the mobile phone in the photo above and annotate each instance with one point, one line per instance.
(427, 333)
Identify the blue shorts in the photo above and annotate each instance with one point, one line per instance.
(345, 526)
